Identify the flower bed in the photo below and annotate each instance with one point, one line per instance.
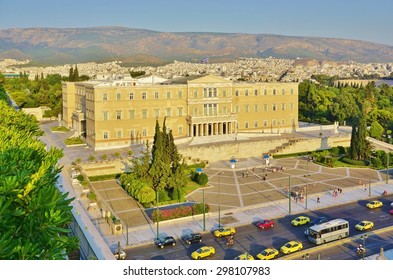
(179, 212)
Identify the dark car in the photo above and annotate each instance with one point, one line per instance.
(318, 221)
(192, 238)
(165, 241)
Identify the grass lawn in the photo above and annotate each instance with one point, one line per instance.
(59, 128)
(73, 141)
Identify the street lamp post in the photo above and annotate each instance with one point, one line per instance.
(157, 215)
(289, 194)
(369, 179)
(204, 210)
(364, 237)
(219, 193)
(387, 168)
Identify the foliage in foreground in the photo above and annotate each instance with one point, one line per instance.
(34, 214)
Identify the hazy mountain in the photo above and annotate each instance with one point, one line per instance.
(140, 46)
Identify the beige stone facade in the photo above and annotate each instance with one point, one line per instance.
(120, 113)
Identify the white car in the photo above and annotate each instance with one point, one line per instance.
(391, 205)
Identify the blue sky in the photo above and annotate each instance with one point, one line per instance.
(350, 19)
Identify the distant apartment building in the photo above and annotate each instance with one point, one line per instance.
(122, 112)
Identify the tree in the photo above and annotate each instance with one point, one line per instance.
(34, 214)
(71, 75)
(376, 130)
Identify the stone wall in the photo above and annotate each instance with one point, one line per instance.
(256, 148)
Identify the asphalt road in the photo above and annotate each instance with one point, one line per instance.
(253, 240)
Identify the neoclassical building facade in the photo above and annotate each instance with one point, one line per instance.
(119, 113)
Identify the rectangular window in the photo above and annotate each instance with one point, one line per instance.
(224, 93)
(118, 96)
(168, 95)
(132, 134)
(118, 115)
(256, 92)
(291, 106)
(156, 95)
(131, 96)
(210, 90)
(156, 113)
(224, 109)
(256, 108)
(180, 130)
(215, 92)
(132, 114)
(106, 135)
(205, 92)
(180, 94)
(105, 96)
(274, 107)
(168, 112)
(205, 109)
(255, 124)
(282, 122)
(180, 111)
(265, 123)
(283, 91)
(144, 95)
(144, 132)
(246, 125)
(291, 91)
(237, 93)
(246, 108)
(273, 122)
(119, 134)
(283, 106)
(265, 92)
(105, 116)
(237, 109)
(144, 114)
(265, 107)
(246, 92)
(195, 94)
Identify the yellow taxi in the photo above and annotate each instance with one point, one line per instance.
(203, 252)
(267, 254)
(374, 204)
(364, 225)
(290, 247)
(224, 231)
(245, 257)
(301, 220)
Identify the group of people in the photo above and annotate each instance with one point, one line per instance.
(336, 192)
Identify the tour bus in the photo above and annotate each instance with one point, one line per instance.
(329, 231)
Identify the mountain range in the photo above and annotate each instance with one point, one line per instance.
(48, 46)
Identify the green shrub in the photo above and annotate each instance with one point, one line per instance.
(202, 179)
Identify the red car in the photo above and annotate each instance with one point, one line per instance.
(391, 212)
(265, 224)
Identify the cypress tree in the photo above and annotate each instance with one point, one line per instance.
(71, 75)
(76, 74)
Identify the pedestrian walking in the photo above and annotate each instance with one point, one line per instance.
(318, 200)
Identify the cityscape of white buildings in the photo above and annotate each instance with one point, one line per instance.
(249, 69)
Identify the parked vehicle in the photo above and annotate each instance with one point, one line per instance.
(192, 238)
(165, 241)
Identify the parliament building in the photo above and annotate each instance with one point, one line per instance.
(117, 113)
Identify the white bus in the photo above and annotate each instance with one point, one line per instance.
(329, 231)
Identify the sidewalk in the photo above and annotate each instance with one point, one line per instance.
(145, 234)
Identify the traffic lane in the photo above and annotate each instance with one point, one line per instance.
(345, 249)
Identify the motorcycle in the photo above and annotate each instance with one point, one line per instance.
(230, 242)
(360, 251)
